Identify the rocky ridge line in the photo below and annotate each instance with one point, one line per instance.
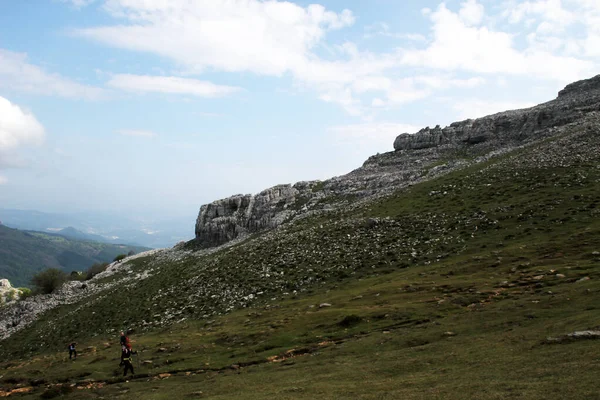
(417, 157)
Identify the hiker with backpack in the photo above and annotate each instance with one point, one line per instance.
(126, 359)
(125, 340)
(72, 351)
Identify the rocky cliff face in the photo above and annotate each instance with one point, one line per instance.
(510, 127)
(224, 220)
(417, 157)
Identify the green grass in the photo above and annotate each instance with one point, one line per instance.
(446, 290)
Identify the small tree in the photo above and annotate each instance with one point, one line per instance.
(131, 252)
(25, 293)
(76, 276)
(120, 257)
(95, 270)
(48, 280)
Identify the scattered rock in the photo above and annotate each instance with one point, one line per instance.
(323, 305)
(574, 336)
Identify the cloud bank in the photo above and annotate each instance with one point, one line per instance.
(18, 128)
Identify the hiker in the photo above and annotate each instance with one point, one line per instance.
(126, 359)
(72, 351)
(125, 340)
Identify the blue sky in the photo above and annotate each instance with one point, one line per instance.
(155, 107)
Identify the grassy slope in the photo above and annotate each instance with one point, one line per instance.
(23, 253)
(484, 247)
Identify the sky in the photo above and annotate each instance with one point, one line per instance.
(155, 107)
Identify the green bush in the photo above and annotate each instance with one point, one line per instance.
(25, 292)
(120, 257)
(95, 270)
(76, 276)
(57, 391)
(48, 280)
(11, 295)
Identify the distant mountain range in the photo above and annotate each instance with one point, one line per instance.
(23, 253)
(101, 227)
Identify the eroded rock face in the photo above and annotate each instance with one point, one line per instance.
(510, 127)
(224, 220)
(417, 157)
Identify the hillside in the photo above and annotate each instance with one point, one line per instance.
(23, 253)
(472, 273)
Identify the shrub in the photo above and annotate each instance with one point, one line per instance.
(95, 270)
(120, 257)
(11, 295)
(25, 292)
(48, 280)
(56, 391)
(76, 276)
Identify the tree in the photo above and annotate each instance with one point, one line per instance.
(48, 280)
(95, 270)
(131, 252)
(25, 293)
(120, 257)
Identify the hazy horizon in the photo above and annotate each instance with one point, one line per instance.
(146, 109)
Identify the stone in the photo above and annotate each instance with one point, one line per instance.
(585, 278)
(324, 305)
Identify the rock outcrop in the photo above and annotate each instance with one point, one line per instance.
(7, 292)
(417, 157)
(224, 220)
(510, 127)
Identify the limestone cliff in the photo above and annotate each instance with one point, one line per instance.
(417, 157)
(510, 127)
(226, 219)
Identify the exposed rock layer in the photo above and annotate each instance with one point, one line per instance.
(419, 156)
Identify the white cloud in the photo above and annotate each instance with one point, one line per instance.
(18, 128)
(3, 180)
(471, 12)
(169, 84)
(377, 136)
(458, 46)
(264, 37)
(383, 29)
(78, 3)
(547, 10)
(137, 133)
(477, 108)
(19, 75)
(277, 38)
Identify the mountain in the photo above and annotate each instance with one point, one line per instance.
(104, 227)
(23, 253)
(72, 233)
(464, 264)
